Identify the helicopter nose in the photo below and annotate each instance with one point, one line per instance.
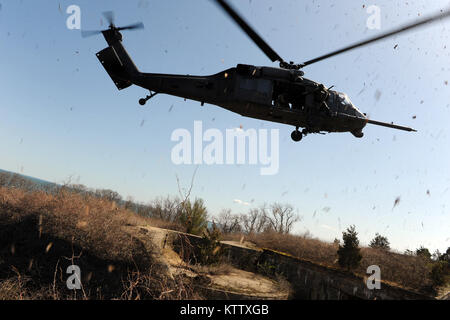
(359, 114)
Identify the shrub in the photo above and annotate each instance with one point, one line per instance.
(440, 273)
(445, 256)
(194, 216)
(349, 254)
(211, 250)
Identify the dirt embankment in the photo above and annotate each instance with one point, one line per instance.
(119, 255)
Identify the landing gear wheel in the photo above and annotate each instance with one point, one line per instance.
(142, 102)
(296, 136)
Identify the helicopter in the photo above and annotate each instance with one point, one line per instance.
(277, 94)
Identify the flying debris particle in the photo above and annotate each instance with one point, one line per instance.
(377, 95)
(30, 264)
(428, 193)
(284, 193)
(414, 117)
(142, 123)
(362, 90)
(396, 46)
(59, 8)
(396, 202)
(421, 101)
(326, 209)
(110, 268)
(49, 246)
(270, 8)
(171, 107)
(446, 82)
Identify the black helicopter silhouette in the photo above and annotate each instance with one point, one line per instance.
(280, 95)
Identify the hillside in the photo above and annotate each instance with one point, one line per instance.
(42, 233)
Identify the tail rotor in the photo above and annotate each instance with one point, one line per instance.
(109, 16)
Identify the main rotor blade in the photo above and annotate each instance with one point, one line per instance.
(88, 33)
(134, 26)
(249, 31)
(109, 16)
(433, 18)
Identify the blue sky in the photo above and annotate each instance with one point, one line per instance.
(61, 116)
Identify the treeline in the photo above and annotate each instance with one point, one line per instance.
(192, 216)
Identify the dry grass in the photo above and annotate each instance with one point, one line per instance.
(406, 271)
(42, 234)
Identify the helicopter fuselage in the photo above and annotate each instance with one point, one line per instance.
(263, 93)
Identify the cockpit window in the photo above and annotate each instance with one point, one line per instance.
(344, 99)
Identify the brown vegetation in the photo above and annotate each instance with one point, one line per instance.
(42, 234)
(405, 270)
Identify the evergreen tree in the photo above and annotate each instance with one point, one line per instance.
(194, 216)
(349, 255)
(380, 242)
(424, 253)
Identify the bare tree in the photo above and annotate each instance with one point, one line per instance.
(228, 222)
(280, 217)
(254, 221)
(167, 209)
(108, 194)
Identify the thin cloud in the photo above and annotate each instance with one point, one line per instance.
(241, 202)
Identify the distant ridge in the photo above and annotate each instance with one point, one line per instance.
(13, 179)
